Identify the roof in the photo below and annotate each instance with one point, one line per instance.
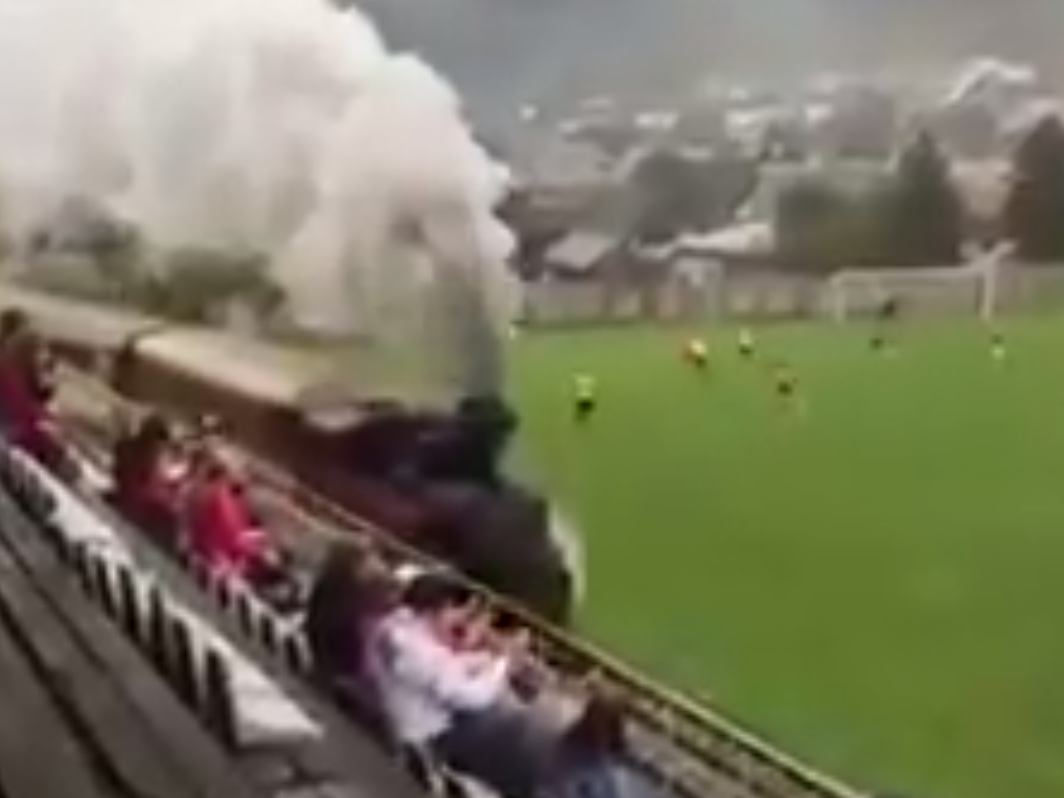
(71, 321)
(567, 163)
(263, 371)
(748, 238)
(753, 239)
(582, 249)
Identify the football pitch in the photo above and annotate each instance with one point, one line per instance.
(872, 581)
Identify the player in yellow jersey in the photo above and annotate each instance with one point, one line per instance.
(746, 344)
(998, 352)
(585, 398)
(696, 354)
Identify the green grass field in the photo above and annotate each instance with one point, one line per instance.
(876, 585)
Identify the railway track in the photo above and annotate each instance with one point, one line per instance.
(696, 751)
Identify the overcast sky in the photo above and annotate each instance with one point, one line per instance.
(497, 50)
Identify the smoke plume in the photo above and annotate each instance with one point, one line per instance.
(284, 127)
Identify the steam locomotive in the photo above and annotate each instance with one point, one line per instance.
(431, 477)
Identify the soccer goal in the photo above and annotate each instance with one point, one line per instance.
(698, 284)
(956, 290)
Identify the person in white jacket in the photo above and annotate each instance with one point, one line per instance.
(454, 703)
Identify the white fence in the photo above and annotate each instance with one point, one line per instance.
(767, 295)
(755, 294)
(1030, 289)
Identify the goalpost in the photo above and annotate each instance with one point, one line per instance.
(953, 290)
(698, 280)
(695, 274)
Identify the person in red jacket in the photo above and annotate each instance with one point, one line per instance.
(18, 406)
(220, 529)
(145, 488)
(25, 394)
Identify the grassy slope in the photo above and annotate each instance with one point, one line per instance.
(876, 586)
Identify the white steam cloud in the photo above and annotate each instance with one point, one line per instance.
(279, 126)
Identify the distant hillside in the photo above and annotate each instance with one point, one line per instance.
(500, 51)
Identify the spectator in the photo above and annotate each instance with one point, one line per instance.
(223, 534)
(220, 529)
(45, 372)
(451, 701)
(145, 490)
(591, 758)
(16, 330)
(14, 327)
(210, 433)
(352, 592)
(25, 390)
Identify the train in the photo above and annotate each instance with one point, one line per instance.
(432, 477)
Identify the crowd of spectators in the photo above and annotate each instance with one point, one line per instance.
(415, 654)
(191, 499)
(447, 679)
(182, 491)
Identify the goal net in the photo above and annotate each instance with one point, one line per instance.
(948, 291)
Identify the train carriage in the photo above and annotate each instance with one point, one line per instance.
(278, 402)
(93, 337)
(288, 407)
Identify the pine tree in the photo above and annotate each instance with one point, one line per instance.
(925, 220)
(1033, 215)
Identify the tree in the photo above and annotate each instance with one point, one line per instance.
(196, 283)
(678, 192)
(1033, 215)
(820, 228)
(925, 217)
